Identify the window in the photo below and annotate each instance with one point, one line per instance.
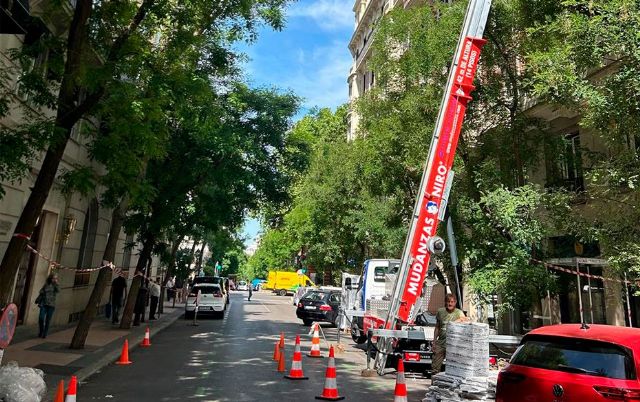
(564, 167)
(126, 256)
(85, 255)
(379, 273)
(580, 356)
(316, 296)
(208, 290)
(334, 298)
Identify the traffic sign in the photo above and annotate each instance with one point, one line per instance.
(8, 322)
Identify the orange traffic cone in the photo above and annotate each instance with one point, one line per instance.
(71, 392)
(281, 368)
(296, 364)
(124, 356)
(276, 352)
(281, 340)
(315, 343)
(146, 342)
(60, 392)
(330, 391)
(400, 394)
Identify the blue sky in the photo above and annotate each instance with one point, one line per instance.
(309, 57)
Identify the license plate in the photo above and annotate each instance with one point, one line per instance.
(205, 308)
(309, 307)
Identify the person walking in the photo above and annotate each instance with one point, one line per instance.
(250, 292)
(154, 292)
(170, 291)
(178, 289)
(46, 300)
(444, 316)
(141, 303)
(118, 290)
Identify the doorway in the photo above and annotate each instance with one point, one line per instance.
(26, 271)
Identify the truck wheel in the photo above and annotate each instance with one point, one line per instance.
(357, 336)
(282, 292)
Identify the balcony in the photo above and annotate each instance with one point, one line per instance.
(14, 16)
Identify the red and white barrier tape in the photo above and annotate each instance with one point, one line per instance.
(575, 272)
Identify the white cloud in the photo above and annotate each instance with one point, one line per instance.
(328, 14)
(322, 79)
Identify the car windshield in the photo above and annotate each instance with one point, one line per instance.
(314, 296)
(207, 279)
(208, 290)
(242, 283)
(581, 356)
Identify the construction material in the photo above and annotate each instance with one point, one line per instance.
(21, 384)
(467, 376)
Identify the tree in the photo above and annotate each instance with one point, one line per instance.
(115, 31)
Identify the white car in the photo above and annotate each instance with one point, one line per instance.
(212, 300)
(242, 285)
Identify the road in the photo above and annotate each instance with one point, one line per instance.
(229, 359)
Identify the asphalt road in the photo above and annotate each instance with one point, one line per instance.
(229, 359)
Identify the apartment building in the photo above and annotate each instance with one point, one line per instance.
(600, 298)
(72, 230)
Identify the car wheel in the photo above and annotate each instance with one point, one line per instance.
(282, 292)
(307, 323)
(357, 335)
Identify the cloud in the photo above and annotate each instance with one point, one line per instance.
(322, 79)
(329, 15)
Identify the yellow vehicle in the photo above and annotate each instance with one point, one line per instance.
(286, 282)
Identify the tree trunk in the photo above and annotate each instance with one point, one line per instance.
(141, 266)
(63, 124)
(170, 268)
(82, 330)
(200, 257)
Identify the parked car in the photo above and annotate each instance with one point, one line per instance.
(213, 300)
(319, 305)
(242, 285)
(573, 363)
(219, 280)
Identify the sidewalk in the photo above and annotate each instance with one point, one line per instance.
(103, 346)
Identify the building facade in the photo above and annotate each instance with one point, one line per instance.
(72, 230)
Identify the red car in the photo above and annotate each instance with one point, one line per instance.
(571, 363)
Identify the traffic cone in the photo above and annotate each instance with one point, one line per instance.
(59, 392)
(296, 364)
(124, 356)
(400, 394)
(315, 343)
(71, 392)
(281, 340)
(146, 342)
(281, 368)
(276, 352)
(330, 391)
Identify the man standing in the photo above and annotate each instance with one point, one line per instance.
(118, 290)
(445, 315)
(154, 291)
(141, 303)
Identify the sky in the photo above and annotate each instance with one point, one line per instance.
(309, 57)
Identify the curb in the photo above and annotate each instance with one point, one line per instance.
(113, 355)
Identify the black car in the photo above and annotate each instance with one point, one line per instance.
(319, 305)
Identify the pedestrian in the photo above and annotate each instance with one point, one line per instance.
(250, 292)
(154, 291)
(444, 316)
(141, 303)
(46, 300)
(185, 290)
(170, 285)
(178, 289)
(118, 290)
